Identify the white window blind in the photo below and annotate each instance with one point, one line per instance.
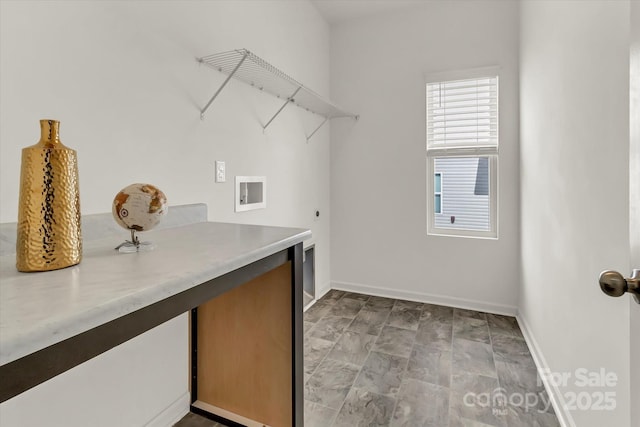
(463, 114)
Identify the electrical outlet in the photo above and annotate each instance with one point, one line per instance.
(221, 171)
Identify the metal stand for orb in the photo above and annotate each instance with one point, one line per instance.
(134, 245)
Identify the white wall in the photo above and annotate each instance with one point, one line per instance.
(123, 80)
(634, 200)
(144, 381)
(574, 183)
(378, 178)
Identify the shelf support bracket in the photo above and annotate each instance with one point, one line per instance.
(318, 128)
(215, 95)
(289, 100)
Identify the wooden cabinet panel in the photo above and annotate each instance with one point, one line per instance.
(244, 347)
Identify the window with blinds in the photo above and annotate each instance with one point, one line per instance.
(462, 145)
(462, 114)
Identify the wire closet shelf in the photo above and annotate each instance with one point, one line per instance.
(258, 73)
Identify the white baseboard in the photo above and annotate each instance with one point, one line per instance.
(231, 416)
(557, 399)
(173, 413)
(322, 290)
(426, 298)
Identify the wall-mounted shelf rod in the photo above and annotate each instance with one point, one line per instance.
(258, 73)
(319, 126)
(287, 102)
(215, 95)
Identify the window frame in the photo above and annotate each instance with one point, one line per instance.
(432, 230)
(437, 193)
(489, 151)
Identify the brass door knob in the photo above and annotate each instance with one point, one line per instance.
(614, 284)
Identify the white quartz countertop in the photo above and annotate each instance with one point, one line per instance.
(41, 309)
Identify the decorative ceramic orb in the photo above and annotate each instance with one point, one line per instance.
(139, 207)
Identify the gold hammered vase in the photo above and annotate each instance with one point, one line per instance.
(49, 236)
